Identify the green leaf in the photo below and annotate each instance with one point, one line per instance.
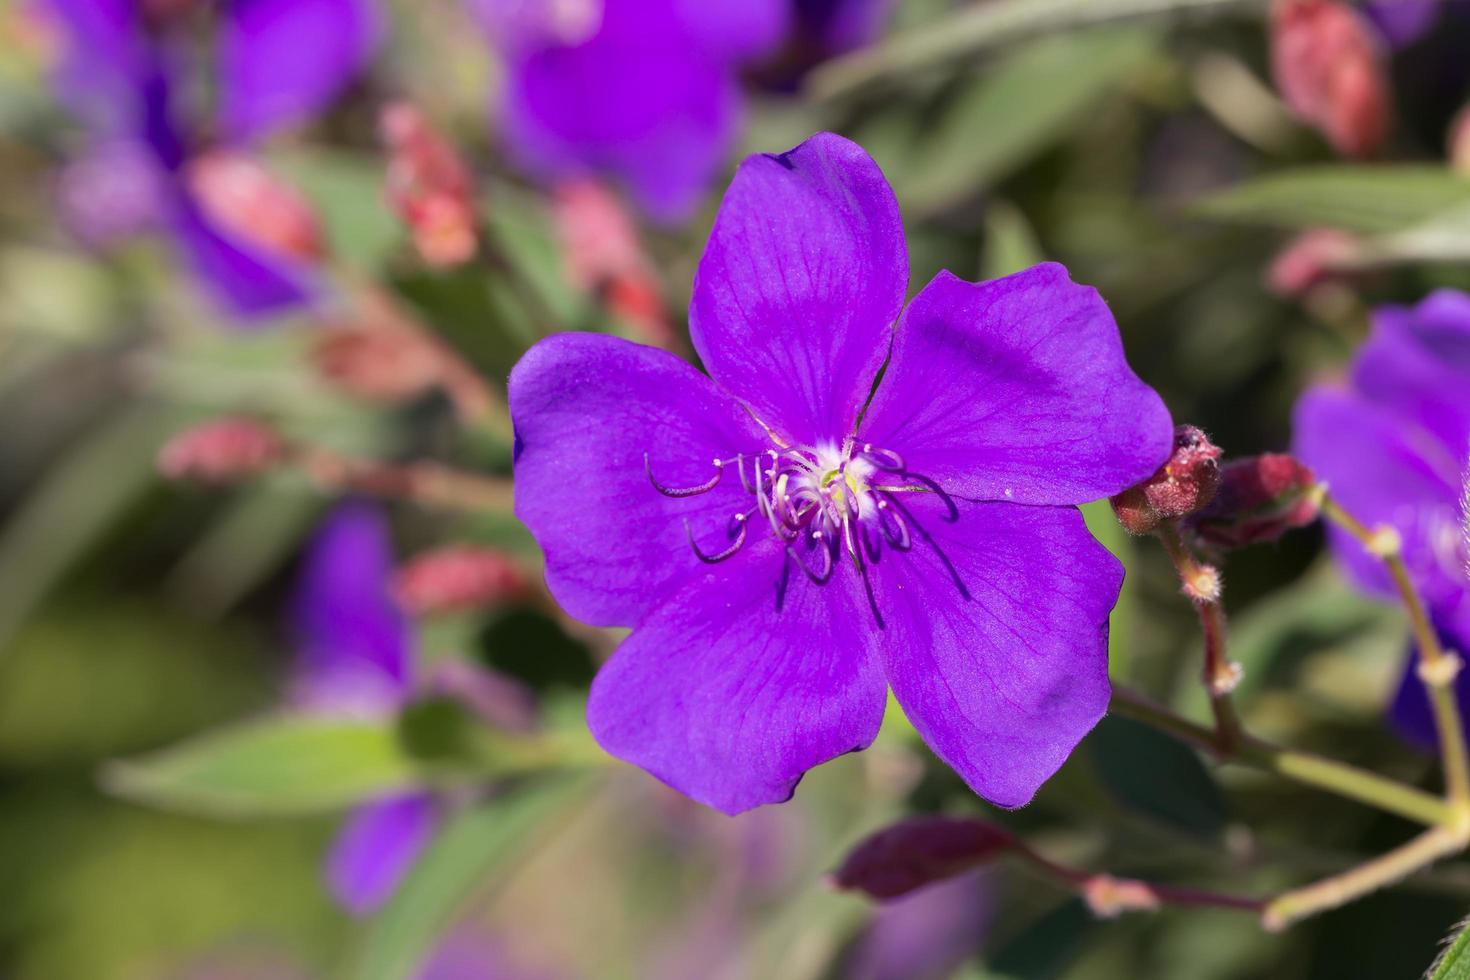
(347, 192)
(977, 27)
(1351, 197)
(1010, 246)
(1152, 774)
(475, 848)
(278, 765)
(1003, 117)
(1454, 962)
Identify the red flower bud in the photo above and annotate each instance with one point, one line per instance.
(917, 852)
(245, 199)
(224, 449)
(377, 362)
(1185, 483)
(1329, 68)
(1260, 499)
(1459, 142)
(458, 577)
(429, 187)
(1310, 259)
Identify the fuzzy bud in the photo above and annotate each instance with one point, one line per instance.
(1310, 259)
(1184, 484)
(457, 578)
(222, 450)
(1110, 897)
(245, 199)
(1330, 69)
(377, 362)
(1260, 498)
(429, 187)
(918, 852)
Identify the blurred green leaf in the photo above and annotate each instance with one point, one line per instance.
(1349, 196)
(1154, 775)
(347, 191)
(1010, 246)
(1104, 526)
(279, 765)
(475, 848)
(977, 27)
(1000, 119)
(1454, 962)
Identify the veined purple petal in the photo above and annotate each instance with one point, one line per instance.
(588, 410)
(1383, 469)
(737, 685)
(805, 272)
(281, 61)
(353, 644)
(376, 847)
(1017, 389)
(640, 99)
(997, 638)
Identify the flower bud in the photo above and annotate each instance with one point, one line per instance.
(1310, 259)
(1260, 499)
(377, 362)
(918, 852)
(1329, 68)
(225, 449)
(245, 199)
(456, 578)
(1184, 484)
(1459, 142)
(429, 187)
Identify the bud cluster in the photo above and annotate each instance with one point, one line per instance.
(224, 449)
(1260, 499)
(459, 578)
(1330, 69)
(1184, 484)
(429, 187)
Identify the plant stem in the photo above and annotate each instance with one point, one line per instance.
(1202, 584)
(1397, 864)
(1437, 667)
(1109, 896)
(1336, 777)
(428, 484)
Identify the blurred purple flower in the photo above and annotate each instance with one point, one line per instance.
(926, 935)
(122, 70)
(926, 541)
(1402, 22)
(355, 658)
(1393, 444)
(643, 90)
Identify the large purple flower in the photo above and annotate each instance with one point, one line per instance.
(355, 658)
(643, 90)
(279, 62)
(1392, 445)
(786, 546)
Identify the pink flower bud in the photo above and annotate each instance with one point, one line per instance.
(429, 187)
(1260, 499)
(458, 578)
(1185, 483)
(1459, 142)
(225, 449)
(245, 199)
(1310, 259)
(377, 362)
(1329, 68)
(917, 852)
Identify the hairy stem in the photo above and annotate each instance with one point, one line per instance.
(1335, 777)
(1437, 667)
(1201, 583)
(1109, 896)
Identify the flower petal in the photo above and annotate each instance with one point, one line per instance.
(1417, 363)
(104, 57)
(736, 29)
(996, 637)
(639, 99)
(735, 687)
(588, 410)
(1384, 470)
(376, 847)
(1410, 713)
(248, 282)
(281, 61)
(805, 272)
(353, 644)
(1017, 389)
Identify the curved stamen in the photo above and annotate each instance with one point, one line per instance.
(895, 528)
(715, 559)
(949, 504)
(828, 565)
(884, 459)
(705, 487)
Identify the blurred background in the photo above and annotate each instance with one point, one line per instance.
(340, 224)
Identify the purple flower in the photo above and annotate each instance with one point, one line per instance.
(786, 547)
(355, 658)
(643, 90)
(279, 61)
(1402, 22)
(926, 935)
(1392, 445)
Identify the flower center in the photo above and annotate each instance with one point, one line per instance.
(819, 501)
